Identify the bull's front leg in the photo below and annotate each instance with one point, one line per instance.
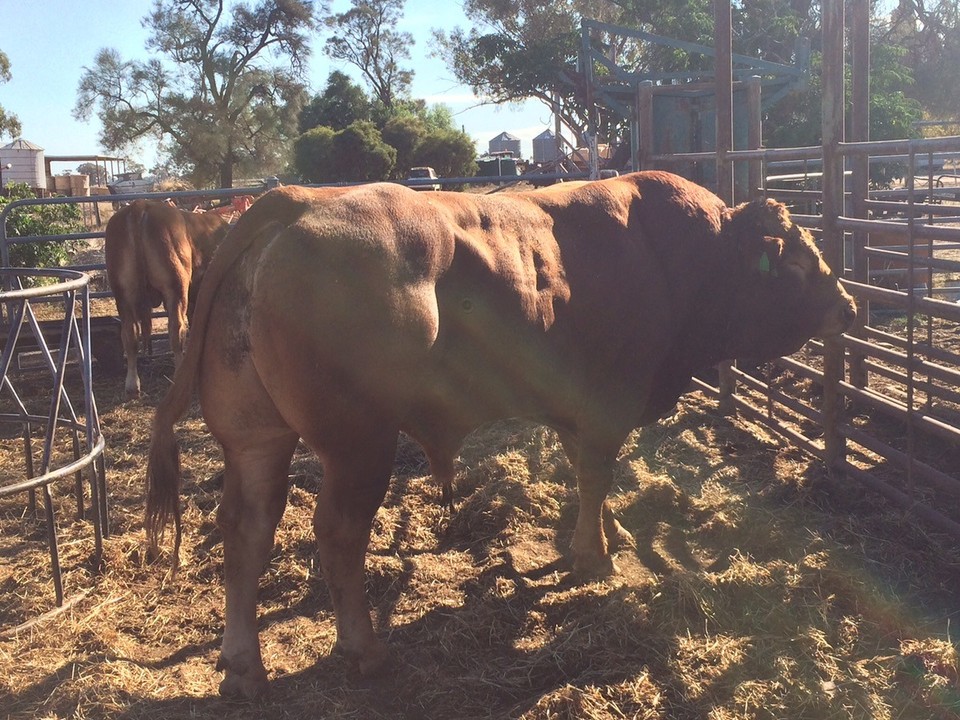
(591, 545)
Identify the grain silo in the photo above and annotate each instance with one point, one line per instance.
(22, 162)
(545, 149)
(505, 143)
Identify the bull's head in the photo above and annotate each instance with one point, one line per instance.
(784, 292)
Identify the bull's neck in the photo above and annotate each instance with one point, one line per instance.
(709, 336)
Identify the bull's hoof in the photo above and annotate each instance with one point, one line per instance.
(446, 498)
(594, 567)
(371, 661)
(250, 684)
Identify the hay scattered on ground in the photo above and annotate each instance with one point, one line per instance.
(750, 594)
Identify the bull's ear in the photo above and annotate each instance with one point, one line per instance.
(748, 222)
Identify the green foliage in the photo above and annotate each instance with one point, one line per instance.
(9, 123)
(355, 154)
(404, 134)
(385, 146)
(450, 152)
(35, 220)
(313, 155)
(360, 154)
(341, 103)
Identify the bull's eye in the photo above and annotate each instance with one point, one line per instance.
(467, 305)
(795, 268)
(793, 278)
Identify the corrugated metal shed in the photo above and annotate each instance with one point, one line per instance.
(545, 148)
(505, 142)
(22, 162)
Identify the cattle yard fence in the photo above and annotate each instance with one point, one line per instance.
(886, 413)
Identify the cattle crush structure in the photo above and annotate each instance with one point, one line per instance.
(882, 406)
(889, 415)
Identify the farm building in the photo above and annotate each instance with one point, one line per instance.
(22, 162)
(504, 142)
(545, 148)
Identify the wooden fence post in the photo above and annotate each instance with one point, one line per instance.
(833, 198)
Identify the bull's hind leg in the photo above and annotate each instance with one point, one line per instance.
(355, 481)
(254, 497)
(146, 329)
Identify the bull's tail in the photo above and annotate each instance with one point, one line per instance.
(163, 463)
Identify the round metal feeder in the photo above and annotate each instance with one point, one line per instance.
(45, 340)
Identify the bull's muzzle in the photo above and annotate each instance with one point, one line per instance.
(840, 317)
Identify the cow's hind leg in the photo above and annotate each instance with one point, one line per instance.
(254, 497)
(146, 329)
(130, 339)
(354, 484)
(128, 336)
(175, 303)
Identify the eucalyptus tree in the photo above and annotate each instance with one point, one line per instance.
(221, 91)
(366, 37)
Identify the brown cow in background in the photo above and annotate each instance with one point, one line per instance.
(156, 254)
(345, 317)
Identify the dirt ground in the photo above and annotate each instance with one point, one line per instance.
(757, 589)
(754, 590)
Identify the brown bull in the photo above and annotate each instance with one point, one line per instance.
(345, 317)
(156, 254)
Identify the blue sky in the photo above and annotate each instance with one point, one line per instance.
(50, 41)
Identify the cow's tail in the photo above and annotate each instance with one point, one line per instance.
(163, 464)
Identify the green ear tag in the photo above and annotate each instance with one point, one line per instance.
(764, 263)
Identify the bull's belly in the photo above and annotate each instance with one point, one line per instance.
(447, 401)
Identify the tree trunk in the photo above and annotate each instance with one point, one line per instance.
(226, 173)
